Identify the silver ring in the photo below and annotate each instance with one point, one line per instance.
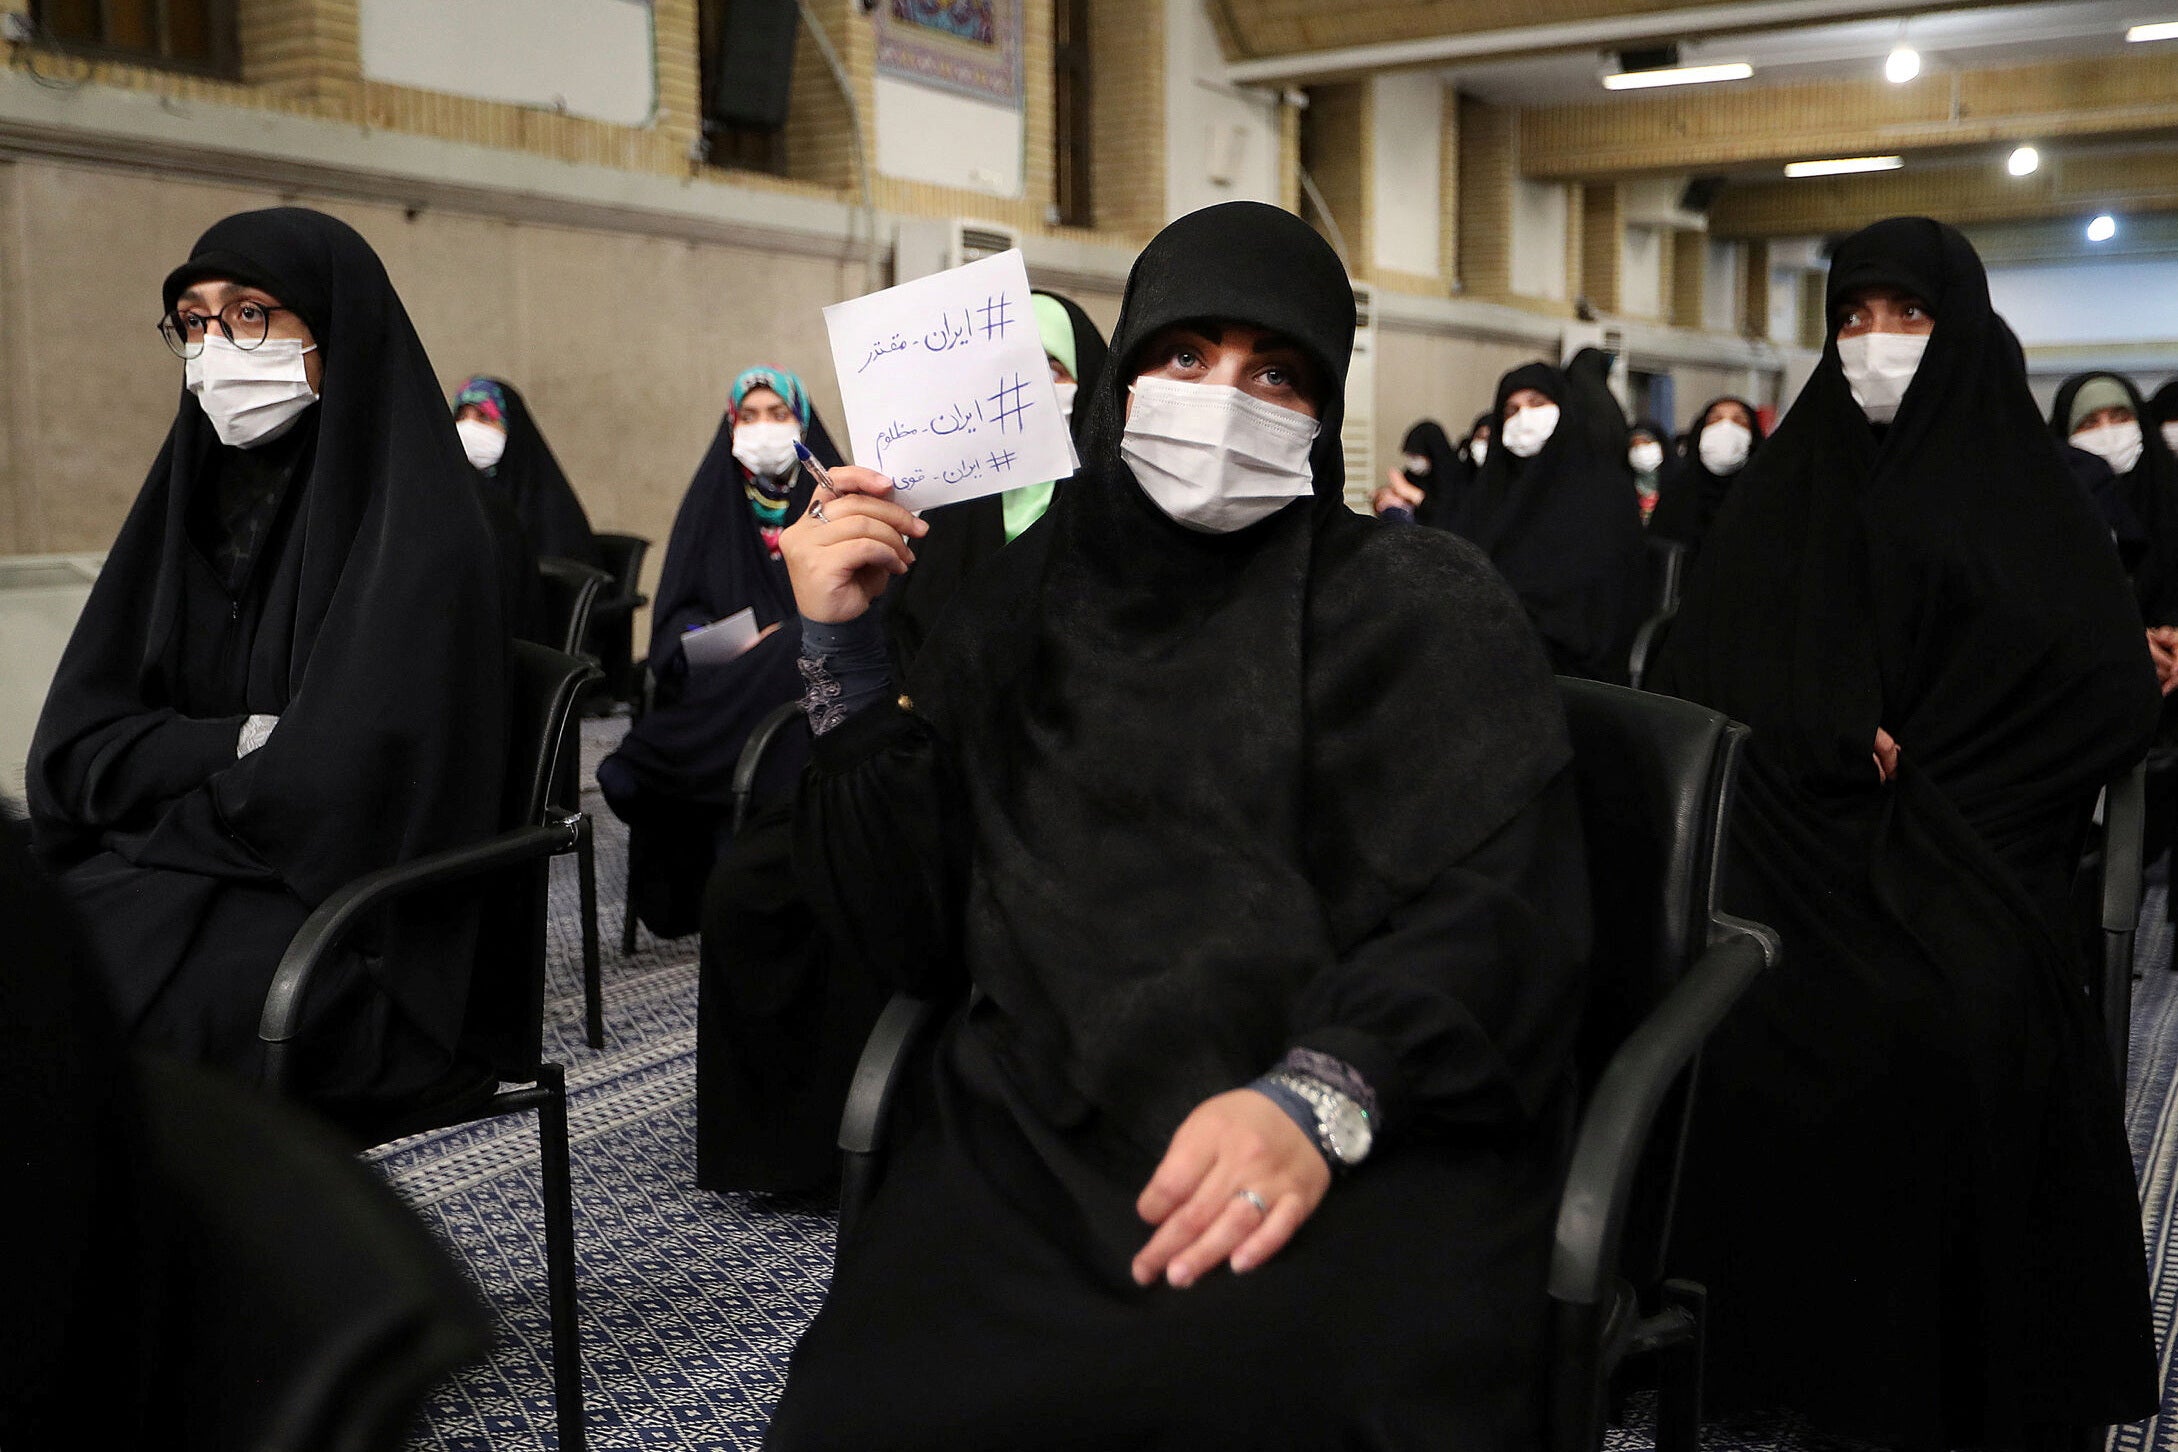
(816, 511)
(1254, 1199)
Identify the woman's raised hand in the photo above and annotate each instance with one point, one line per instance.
(847, 546)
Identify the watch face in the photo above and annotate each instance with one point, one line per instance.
(1349, 1131)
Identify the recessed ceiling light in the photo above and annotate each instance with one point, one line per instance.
(1843, 166)
(2102, 229)
(2161, 30)
(1904, 64)
(1678, 76)
(2023, 161)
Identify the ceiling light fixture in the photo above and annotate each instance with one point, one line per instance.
(2024, 161)
(1843, 166)
(1904, 64)
(2102, 229)
(2161, 30)
(1678, 76)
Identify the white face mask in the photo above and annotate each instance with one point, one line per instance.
(2170, 436)
(1724, 446)
(766, 448)
(1415, 466)
(484, 444)
(1879, 368)
(1066, 392)
(1646, 458)
(1478, 450)
(1527, 431)
(1214, 458)
(2119, 444)
(251, 395)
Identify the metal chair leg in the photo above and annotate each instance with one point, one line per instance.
(593, 988)
(1679, 1371)
(559, 1215)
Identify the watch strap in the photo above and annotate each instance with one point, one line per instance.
(1297, 1108)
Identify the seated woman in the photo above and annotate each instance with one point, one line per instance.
(671, 780)
(1228, 994)
(1725, 435)
(1428, 464)
(1908, 1186)
(512, 459)
(963, 536)
(1559, 520)
(291, 671)
(1648, 451)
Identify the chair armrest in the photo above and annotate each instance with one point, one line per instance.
(2124, 827)
(1644, 641)
(904, 1023)
(751, 759)
(327, 927)
(1614, 1130)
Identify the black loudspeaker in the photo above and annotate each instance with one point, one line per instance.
(753, 66)
(1700, 193)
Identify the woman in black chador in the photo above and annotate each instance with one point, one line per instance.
(513, 462)
(1724, 437)
(671, 780)
(291, 671)
(1139, 824)
(1909, 1189)
(1559, 518)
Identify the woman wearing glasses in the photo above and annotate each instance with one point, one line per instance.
(291, 671)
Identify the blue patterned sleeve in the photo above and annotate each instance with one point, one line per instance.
(845, 669)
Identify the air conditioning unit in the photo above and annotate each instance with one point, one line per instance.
(920, 248)
(1358, 435)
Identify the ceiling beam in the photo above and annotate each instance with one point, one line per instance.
(2068, 188)
(1443, 34)
(1721, 127)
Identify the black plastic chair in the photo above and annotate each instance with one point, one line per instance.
(2124, 831)
(1667, 571)
(751, 760)
(1655, 777)
(612, 620)
(303, 1305)
(503, 1027)
(572, 591)
(1655, 781)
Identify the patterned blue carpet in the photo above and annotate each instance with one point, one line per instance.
(691, 1301)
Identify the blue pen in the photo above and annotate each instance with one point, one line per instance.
(816, 470)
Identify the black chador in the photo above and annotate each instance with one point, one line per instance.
(340, 579)
(1909, 1189)
(1175, 803)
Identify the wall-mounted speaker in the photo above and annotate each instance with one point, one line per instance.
(753, 65)
(1700, 194)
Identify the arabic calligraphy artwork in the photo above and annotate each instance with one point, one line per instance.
(972, 47)
(945, 386)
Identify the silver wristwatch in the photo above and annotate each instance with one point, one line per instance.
(1343, 1131)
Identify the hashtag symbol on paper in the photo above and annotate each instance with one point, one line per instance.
(1001, 461)
(1009, 405)
(997, 312)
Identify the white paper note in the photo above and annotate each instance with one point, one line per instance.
(721, 640)
(945, 385)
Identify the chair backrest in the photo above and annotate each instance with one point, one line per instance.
(300, 1303)
(571, 591)
(622, 557)
(504, 1024)
(2124, 834)
(1654, 775)
(1667, 571)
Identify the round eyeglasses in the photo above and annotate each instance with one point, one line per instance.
(245, 321)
